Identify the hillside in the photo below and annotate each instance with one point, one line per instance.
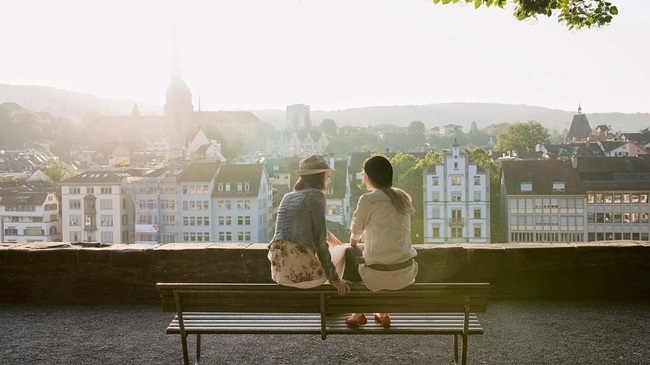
(74, 105)
(67, 103)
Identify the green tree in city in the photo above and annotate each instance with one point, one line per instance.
(573, 13)
(407, 175)
(56, 172)
(482, 158)
(522, 137)
(328, 127)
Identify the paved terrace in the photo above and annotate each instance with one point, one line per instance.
(559, 304)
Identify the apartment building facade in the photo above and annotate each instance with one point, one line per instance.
(242, 204)
(617, 197)
(456, 206)
(542, 201)
(30, 216)
(96, 207)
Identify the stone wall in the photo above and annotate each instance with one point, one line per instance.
(66, 273)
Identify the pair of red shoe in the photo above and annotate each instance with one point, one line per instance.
(359, 319)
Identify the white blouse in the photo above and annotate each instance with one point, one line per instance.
(388, 241)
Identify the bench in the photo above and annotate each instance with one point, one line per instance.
(419, 309)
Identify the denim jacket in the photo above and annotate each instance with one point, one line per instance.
(301, 219)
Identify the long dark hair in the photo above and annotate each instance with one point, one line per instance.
(380, 172)
(316, 181)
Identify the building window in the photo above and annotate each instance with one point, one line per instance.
(435, 231)
(477, 232)
(477, 180)
(106, 220)
(75, 219)
(107, 237)
(456, 232)
(477, 196)
(435, 181)
(477, 213)
(240, 186)
(526, 186)
(106, 190)
(105, 204)
(455, 180)
(227, 186)
(247, 186)
(90, 190)
(75, 190)
(75, 204)
(558, 186)
(435, 196)
(435, 213)
(455, 196)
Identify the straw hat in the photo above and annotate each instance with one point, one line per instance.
(313, 164)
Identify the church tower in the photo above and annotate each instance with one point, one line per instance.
(178, 106)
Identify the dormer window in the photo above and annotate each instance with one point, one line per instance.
(558, 186)
(526, 186)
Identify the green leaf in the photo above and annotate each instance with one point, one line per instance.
(477, 3)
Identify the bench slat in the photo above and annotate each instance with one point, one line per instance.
(218, 323)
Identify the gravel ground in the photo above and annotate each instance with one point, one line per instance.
(516, 332)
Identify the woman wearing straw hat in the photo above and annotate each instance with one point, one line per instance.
(384, 216)
(303, 253)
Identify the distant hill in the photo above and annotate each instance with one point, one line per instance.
(464, 114)
(75, 105)
(67, 103)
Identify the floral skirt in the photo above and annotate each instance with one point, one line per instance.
(296, 265)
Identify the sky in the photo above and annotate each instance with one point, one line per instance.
(329, 54)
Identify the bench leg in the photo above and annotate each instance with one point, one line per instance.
(186, 357)
(455, 349)
(464, 359)
(198, 349)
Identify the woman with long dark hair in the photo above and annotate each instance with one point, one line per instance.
(383, 215)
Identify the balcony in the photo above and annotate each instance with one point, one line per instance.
(90, 227)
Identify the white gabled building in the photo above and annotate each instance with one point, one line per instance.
(242, 204)
(456, 200)
(28, 216)
(196, 185)
(97, 208)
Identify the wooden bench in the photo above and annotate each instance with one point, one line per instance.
(420, 309)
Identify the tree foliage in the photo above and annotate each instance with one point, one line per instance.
(20, 127)
(522, 137)
(573, 13)
(56, 172)
(482, 158)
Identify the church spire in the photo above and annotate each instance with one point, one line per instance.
(176, 70)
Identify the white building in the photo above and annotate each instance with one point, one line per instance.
(97, 208)
(196, 185)
(242, 204)
(456, 200)
(27, 216)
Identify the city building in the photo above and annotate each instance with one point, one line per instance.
(242, 204)
(456, 206)
(617, 190)
(157, 208)
(29, 216)
(339, 212)
(542, 201)
(197, 182)
(96, 207)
